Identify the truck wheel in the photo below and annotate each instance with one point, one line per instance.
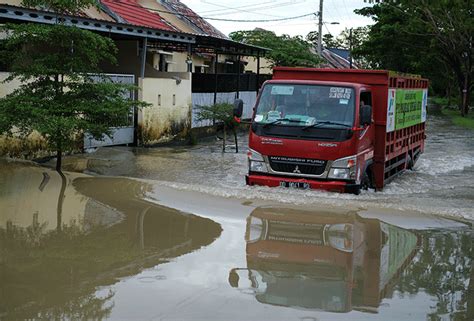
(366, 180)
(410, 162)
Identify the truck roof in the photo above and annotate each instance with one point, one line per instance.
(360, 76)
(316, 82)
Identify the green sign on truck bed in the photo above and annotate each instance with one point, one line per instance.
(406, 107)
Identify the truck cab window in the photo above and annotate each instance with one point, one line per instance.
(306, 105)
(366, 98)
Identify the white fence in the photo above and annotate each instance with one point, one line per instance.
(206, 99)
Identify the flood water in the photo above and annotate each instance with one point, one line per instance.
(442, 182)
(182, 238)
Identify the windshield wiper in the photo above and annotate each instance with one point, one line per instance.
(283, 119)
(327, 122)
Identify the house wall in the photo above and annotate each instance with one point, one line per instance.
(265, 65)
(170, 113)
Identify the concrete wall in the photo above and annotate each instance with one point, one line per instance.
(170, 113)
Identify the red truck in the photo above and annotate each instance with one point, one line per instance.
(337, 130)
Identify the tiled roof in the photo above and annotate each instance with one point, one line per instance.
(190, 17)
(133, 13)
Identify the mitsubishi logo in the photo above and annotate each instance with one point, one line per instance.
(297, 170)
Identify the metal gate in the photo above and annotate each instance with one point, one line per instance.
(119, 135)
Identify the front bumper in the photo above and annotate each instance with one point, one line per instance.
(332, 186)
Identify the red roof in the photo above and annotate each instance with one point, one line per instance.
(133, 13)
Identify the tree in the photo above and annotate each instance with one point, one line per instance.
(285, 50)
(344, 41)
(60, 97)
(435, 37)
(328, 40)
(223, 114)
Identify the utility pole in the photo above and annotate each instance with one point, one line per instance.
(350, 48)
(320, 27)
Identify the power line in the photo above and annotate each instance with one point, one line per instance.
(262, 20)
(237, 8)
(261, 6)
(346, 11)
(211, 18)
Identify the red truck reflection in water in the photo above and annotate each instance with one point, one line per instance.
(322, 261)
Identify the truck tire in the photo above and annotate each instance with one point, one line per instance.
(366, 181)
(410, 162)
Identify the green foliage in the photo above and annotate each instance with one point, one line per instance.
(62, 6)
(222, 112)
(62, 94)
(343, 40)
(329, 41)
(433, 38)
(223, 115)
(285, 50)
(33, 50)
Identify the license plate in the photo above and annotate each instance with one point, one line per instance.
(297, 185)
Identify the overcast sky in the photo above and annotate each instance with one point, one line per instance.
(334, 11)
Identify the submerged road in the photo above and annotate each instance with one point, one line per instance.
(174, 234)
(442, 182)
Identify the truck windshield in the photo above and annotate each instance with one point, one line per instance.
(306, 106)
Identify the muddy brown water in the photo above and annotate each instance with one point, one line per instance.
(77, 247)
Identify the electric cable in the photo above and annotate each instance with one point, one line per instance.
(211, 18)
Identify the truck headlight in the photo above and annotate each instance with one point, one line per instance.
(256, 162)
(255, 166)
(341, 236)
(339, 173)
(254, 155)
(254, 229)
(343, 168)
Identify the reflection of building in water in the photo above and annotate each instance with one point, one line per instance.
(49, 273)
(330, 262)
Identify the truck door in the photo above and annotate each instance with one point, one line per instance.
(365, 149)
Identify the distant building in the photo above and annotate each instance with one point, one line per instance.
(337, 58)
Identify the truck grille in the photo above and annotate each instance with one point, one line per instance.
(297, 165)
(304, 233)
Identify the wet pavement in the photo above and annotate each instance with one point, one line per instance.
(180, 237)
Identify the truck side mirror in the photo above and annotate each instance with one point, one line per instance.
(238, 108)
(365, 115)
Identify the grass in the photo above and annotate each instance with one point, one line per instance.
(457, 119)
(452, 111)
